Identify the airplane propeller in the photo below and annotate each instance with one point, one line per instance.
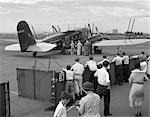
(96, 34)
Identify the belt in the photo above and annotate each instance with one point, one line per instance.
(103, 85)
(78, 74)
(69, 80)
(138, 82)
(118, 65)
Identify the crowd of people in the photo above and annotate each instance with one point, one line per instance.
(88, 92)
(81, 49)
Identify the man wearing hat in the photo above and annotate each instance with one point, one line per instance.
(92, 66)
(78, 69)
(89, 105)
(103, 88)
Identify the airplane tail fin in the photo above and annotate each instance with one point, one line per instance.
(25, 36)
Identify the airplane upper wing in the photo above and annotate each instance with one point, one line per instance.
(120, 42)
(39, 47)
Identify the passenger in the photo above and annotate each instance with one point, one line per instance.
(89, 105)
(91, 64)
(72, 48)
(79, 46)
(82, 50)
(60, 110)
(78, 69)
(86, 48)
(118, 69)
(103, 88)
(69, 86)
(125, 60)
(136, 94)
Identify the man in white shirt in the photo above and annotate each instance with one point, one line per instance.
(108, 67)
(91, 64)
(125, 60)
(103, 88)
(78, 69)
(69, 85)
(118, 69)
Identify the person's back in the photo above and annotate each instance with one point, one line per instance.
(137, 76)
(77, 68)
(91, 64)
(91, 104)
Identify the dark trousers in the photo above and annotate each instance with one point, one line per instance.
(103, 91)
(93, 80)
(119, 73)
(125, 72)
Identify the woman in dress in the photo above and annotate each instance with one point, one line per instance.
(136, 94)
(89, 105)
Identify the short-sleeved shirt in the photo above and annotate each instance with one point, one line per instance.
(125, 60)
(69, 74)
(78, 68)
(117, 60)
(92, 65)
(103, 76)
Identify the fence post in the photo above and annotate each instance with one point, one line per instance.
(8, 99)
(2, 100)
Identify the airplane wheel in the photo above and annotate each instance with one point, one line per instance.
(34, 54)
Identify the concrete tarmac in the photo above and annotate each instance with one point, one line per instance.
(119, 104)
(21, 107)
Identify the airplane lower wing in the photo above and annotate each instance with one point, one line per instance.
(120, 42)
(39, 47)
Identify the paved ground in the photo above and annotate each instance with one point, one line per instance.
(21, 107)
(119, 105)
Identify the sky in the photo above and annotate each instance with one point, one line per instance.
(68, 14)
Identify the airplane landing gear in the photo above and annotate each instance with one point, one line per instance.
(34, 54)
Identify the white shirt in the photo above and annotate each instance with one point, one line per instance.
(60, 110)
(103, 76)
(125, 59)
(117, 60)
(69, 74)
(78, 68)
(148, 65)
(143, 66)
(91, 64)
(101, 62)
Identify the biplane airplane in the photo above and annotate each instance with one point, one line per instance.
(29, 43)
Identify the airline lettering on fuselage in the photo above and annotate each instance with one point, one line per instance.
(20, 31)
